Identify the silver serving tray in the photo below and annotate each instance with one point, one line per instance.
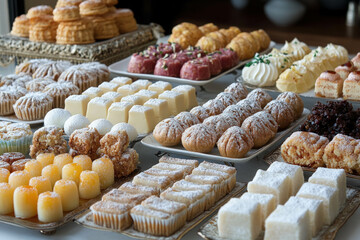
(215, 155)
(120, 68)
(210, 230)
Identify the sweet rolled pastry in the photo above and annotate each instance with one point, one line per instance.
(262, 37)
(21, 26)
(295, 102)
(235, 143)
(343, 152)
(282, 113)
(249, 106)
(64, 3)
(351, 89)
(230, 33)
(186, 34)
(214, 106)
(199, 138)
(200, 112)
(304, 149)
(259, 96)
(187, 119)
(329, 84)
(209, 44)
(208, 28)
(168, 132)
(261, 126)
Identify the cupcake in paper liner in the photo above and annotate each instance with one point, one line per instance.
(15, 137)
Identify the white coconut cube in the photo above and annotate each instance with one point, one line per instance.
(267, 203)
(328, 195)
(294, 172)
(335, 178)
(239, 219)
(277, 184)
(288, 223)
(315, 208)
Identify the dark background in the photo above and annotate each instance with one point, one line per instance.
(323, 22)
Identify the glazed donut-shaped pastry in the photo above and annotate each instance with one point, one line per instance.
(282, 112)
(218, 123)
(260, 96)
(214, 106)
(39, 11)
(295, 102)
(68, 13)
(235, 143)
(187, 119)
(237, 90)
(93, 7)
(261, 126)
(199, 138)
(200, 112)
(168, 132)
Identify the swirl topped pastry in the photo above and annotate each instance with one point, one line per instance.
(297, 48)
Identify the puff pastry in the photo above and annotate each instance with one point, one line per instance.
(21, 26)
(104, 26)
(93, 7)
(67, 13)
(78, 32)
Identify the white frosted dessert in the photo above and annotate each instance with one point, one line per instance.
(108, 87)
(75, 122)
(113, 96)
(93, 92)
(122, 81)
(160, 87)
(135, 100)
(127, 90)
(103, 126)
(288, 223)
(119, 112)
(97, 108)
(77, 104)
(335, 178)
(142, 118)
(160, 107)
(56, 117)
(146, 95)
(239, 219)
(277, 184)
(315, 208)
(142, 83)
(175, 100)
(190, 95)
(297, 48)
(267, 203)
(295, 173)
(327, 194)
(130, 130)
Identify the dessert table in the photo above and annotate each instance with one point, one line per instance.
(148, 157)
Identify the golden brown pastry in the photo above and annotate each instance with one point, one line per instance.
(85, 141)
(199, 138)
(235, 143)
(93, 7)
(237, 112)
(345, 69)
(126, 163)
(185, 34)
(111, 2)
(39, 11)
(304, 149)
(59, 91)
(51, 69)
(208, 28)
(214, 106)
(200, 112)
(249, 106)
(125, 20)
(83, 77)
(68, 13)
(217, 123)
(29, 66)
(260, 96)
(329, 84)
(261, 126)
(217, 35)
(43, 29)
(230, 33)
(77, 32)
(343, 152)
(282, 113)
(168, 132)
(114, 143)
(48, 140)
(262, 37)
(209, 44)
(237, 90)
(21, 26)
(104, 26)
(251, 39)
(63, 3)
(33, 106)
(243, 48)
(226, 98)
(187, 119)
(295, 102)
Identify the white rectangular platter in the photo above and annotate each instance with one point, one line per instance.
(120, 68)
(214, 154)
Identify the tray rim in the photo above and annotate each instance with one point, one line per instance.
(192, 224)
(14, 119)
(148, 139)
(68, 216)
(353, 204)
(114, 68)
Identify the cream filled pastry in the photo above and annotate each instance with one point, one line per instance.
(297, 48)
